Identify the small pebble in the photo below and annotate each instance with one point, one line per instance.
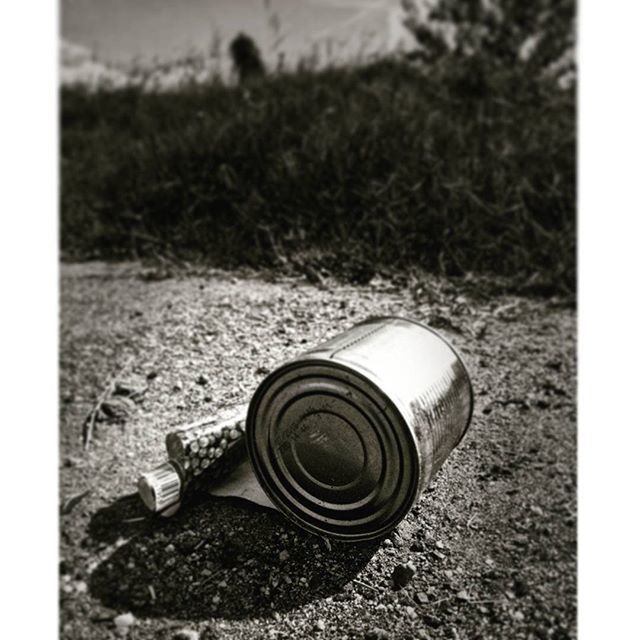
(284, 556)
(377, 634)
(421, 597)
(81, 586)
(520, 588)
(186, 634)
(202, 380)
(411, 612)
(319, 625)
(403, 574)
(124, 621)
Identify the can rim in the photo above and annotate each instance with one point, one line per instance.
(369, 379)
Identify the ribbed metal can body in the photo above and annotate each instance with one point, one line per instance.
(345, 437)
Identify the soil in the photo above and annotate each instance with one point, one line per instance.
(492, 541)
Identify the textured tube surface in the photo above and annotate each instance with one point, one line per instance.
(345, 437)
(213, 446)
(199, 453)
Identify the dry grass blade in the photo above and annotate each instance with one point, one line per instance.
(70, 503)
(90, 421)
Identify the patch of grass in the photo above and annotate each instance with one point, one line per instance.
(452, 171)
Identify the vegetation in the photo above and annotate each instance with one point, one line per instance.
(536, 37)
(459, 166)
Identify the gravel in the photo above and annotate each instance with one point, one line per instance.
(498, 523)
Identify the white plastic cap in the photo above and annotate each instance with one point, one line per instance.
(161, 487)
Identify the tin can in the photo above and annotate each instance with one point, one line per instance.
(345, 437)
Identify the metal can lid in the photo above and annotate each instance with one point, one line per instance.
(160, 487)
(332, 450)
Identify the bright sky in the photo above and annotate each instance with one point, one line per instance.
(118, 31)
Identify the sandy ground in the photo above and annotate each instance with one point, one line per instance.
(493, 540)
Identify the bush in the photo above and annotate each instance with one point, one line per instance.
(461, 168)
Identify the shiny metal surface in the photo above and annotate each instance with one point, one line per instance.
(345, 437)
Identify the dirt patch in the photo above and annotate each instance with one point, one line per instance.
(493, 540)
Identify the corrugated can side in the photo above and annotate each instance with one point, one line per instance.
(344, 437)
